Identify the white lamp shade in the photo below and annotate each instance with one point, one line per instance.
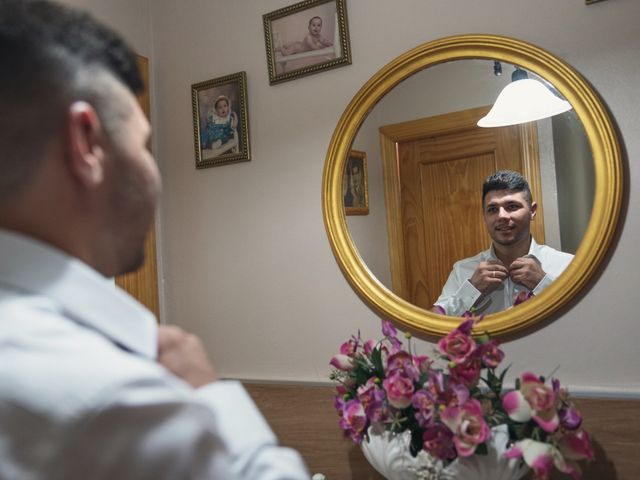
(523, 101)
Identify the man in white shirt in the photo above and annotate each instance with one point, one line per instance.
(90, 386)
(515, 267)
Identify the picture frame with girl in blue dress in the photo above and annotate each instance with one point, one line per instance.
(305, 38)
(221, 121)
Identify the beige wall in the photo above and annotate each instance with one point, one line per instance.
(245, 260)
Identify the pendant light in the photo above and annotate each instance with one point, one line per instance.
(523, 100)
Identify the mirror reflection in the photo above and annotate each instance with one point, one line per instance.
(423, 132)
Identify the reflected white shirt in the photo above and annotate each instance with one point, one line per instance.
(82, 397)
(459, 295)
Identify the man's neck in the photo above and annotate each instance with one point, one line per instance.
(508, 253)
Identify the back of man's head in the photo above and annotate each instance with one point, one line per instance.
(50, 56)
(506, 180)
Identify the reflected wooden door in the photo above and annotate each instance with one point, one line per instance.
(143, 283)
(439, 165)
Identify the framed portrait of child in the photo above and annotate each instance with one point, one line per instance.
(221, 121)
(355, 192)
(306, 38)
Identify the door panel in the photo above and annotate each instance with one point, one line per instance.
(440, 170)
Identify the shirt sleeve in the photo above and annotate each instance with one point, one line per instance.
(150, 430)
(458, 294)
(544, 283)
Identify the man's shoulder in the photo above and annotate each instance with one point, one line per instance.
(552, 253)
(59, 367)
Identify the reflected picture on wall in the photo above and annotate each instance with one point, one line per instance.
(354, 184)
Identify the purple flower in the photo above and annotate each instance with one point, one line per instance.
(399, 389)
(372, 398)
(425, 407)
(403, 362)
(437, 440)
(390, 332)
(490, 354)
(354, 420)
(570, 418)
(466, 373)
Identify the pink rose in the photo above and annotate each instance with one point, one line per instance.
(466, 373)
(468, 426)
(533, 400)
(399, 390)
(457, 346)
(349, 348)
(342, 362)
(368, 347)
(576, 446)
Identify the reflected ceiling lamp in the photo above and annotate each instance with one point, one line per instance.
(523, 100)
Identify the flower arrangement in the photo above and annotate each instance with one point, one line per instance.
(450, 402)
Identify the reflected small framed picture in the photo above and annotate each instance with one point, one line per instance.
(221, 121)
(306, 38)
(355, 191)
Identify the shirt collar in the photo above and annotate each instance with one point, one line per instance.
(534, 250)
(84, 295)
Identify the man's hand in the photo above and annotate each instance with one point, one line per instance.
(489, 275)
(526, 271)
(183, 354)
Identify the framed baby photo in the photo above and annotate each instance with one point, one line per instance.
(306, 38)
(355, 190)
(221, 121)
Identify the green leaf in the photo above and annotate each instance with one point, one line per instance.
(482, 449)
(376, 360)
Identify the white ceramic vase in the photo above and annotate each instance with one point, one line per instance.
(389, 454)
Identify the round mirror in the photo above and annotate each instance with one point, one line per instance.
(436, 87)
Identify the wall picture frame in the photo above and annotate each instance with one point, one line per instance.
(306, 38)
(355, 188)
(221, 121)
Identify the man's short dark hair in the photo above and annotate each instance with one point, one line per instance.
(50, 56)
(506, 180)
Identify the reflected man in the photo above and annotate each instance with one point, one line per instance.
(515, 267)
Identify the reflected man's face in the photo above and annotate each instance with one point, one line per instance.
(507, 216)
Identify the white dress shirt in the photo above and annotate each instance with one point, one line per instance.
(82, 397)
(459, 295)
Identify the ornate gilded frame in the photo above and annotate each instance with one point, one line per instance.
(362, 208)
(608, 181)
(238, 148)
(276, 62)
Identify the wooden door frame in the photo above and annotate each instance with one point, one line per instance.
(143, 283)
(448, 123)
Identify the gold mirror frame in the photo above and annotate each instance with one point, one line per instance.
(607, 165)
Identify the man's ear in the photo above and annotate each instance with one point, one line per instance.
(86, 140)
(534, 209)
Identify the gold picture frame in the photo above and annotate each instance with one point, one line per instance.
(306, 38)
(355, 189)
(221, 133)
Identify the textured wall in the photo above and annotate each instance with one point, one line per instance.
(245, 258)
